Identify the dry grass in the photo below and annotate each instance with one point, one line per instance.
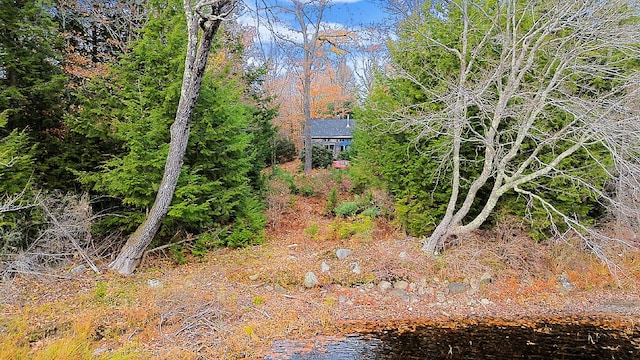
(233, 303)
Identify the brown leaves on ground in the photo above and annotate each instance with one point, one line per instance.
(233, 303)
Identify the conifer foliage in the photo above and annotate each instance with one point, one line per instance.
(215, 190)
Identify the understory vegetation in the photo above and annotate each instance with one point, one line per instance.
(233, 303)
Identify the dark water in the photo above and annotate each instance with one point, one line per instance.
(557, 341)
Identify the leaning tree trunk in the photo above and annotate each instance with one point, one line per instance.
(198, 49)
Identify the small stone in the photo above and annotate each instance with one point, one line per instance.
(324, 267)
(310, 280)
(254, 277)
(268, 287)
(154, 283)
(355, 268)
(486, 278)
(441, 297)
(403, 256)
(343, 253)
(485, 301)
(566, 284)
(401, 284)
(279, 289)
(100, 351)
(384, 285)
(400, 294)
(457, 288)
(78, 269)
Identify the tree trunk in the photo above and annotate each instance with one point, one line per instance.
(195, 63)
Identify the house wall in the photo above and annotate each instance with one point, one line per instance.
(332, 144)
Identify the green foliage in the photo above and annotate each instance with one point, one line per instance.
(321, 157)
(372, 212)
(307, 190)
(285, 150)
(32, 86)
(359, 225)
(226, 151)
(313, 229)
(100, 292)
(347, 208)
(348, 154)
(287, 178)
(16, 162)
(16, 169)
(332, 200)
(177, 253)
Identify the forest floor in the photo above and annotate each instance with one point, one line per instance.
(234, 303)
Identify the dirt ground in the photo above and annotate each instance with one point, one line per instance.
(234, 303)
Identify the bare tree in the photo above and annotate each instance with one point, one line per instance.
(203, 21)
(519, 64)
(303, 41)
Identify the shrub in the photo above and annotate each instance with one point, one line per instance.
(332, 200)
(285, 150)
(320, 157)
(347, 208)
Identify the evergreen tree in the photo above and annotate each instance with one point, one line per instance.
(135, 109)
(31, 79)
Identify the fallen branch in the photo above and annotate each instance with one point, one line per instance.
(70, 237)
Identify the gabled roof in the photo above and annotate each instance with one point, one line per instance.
(332, 128)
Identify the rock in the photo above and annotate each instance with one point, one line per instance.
(404, 295)
(486, 279)
(457, 288)
(355, 268)
(384, 285)
(343, 253)
(400, 294)
(310, 280)
(403, 256)
(485, 301)
(78, 269)
(565, 283)
(401, 285)
(100, 351)
(154, 283)
(254, 277)
(324, 267)
(441, 297)
(279, 289)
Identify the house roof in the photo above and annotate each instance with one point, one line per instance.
(332, 128)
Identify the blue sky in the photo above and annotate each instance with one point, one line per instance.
(355, 13)
(345, 14)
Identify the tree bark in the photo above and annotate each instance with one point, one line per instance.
(195, 63)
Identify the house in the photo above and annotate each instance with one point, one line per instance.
(333, 134)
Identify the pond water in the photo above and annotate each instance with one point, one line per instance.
(541, 341)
